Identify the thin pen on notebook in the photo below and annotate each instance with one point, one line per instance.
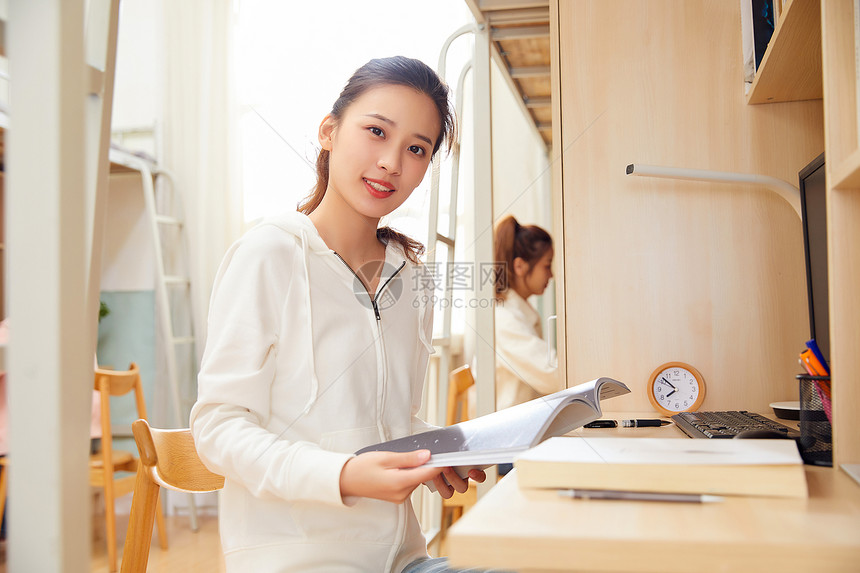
(638, 495)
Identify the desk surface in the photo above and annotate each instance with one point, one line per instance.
(536, 530)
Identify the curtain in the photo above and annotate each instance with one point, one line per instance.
(198, 140)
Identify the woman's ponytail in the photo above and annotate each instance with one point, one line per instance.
(313, 200)
(506, 233)
(512, 241)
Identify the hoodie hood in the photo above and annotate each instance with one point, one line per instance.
(300, 225)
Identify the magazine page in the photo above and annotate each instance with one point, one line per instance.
(499, 436)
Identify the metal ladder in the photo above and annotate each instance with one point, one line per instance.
(175, 318)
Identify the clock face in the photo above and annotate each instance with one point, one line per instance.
(676, 387)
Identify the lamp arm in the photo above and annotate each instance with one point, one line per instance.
(785, 190)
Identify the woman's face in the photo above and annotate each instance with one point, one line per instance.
(380, 148)
(536, 279)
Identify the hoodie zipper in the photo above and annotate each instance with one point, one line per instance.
(380, 347)
(382, 288)
(401, 510)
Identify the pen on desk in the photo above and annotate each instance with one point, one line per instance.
(644, 423)
(638, 495)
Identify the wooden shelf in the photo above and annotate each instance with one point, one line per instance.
(840, 86)
(791, 67)
(846, 175)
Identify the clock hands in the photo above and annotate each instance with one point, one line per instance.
(663, 378)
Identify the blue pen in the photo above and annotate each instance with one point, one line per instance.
(813, 346)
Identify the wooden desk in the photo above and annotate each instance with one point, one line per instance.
(536, 530)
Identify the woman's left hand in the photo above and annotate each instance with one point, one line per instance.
(449, 481)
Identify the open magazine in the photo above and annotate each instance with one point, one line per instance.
(498, 437)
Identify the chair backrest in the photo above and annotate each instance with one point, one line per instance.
(459, 382)
(168, 459)
(118, 383)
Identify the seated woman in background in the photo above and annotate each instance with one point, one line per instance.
(523, 371)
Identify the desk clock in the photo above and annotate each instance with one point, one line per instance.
(676, 387)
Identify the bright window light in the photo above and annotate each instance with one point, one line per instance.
(293, 58)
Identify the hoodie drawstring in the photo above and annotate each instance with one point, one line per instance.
(315, 385)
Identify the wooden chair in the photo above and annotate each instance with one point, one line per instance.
(106, 463)
(459, 383)
(168, 459)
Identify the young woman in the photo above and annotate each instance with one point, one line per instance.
(318, 343)
(524, 254)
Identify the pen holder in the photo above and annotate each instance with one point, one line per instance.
(816, 433)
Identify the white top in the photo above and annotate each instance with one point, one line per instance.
(523, 372)
(298, 373)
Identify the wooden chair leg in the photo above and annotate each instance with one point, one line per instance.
(144, 504)
(162, 530)
(110, 523)
(456, 514)
(4, 476)
(443, 524)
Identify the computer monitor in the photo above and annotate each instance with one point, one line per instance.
(813, 208)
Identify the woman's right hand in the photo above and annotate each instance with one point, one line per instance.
(389, 476)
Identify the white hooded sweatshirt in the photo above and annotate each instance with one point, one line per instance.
(301, 369)
(523, 371)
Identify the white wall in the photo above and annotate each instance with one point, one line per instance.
(521, 176)
(136, 87)
(521, 173)
(128, 245)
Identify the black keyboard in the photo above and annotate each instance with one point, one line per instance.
(727, 424)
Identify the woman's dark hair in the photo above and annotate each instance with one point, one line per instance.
(528, 242)
(400, 71)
